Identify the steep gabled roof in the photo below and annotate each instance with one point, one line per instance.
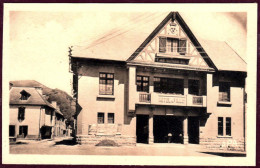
(126, 45)
(35, 97)
(120, 45)
(223, 56)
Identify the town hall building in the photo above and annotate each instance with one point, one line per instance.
(156, 82)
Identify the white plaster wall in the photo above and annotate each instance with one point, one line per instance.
(235, 112)
(88, 91)
(32, 114)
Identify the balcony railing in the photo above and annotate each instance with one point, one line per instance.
(197, 100)
(172, 99)
(224, 96)
(145, 97)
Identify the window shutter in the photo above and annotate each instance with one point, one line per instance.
(182, 46)
(162, 44)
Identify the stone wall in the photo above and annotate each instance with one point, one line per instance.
(104, 129)
(95, 139)
(99, 132)
(223, 143)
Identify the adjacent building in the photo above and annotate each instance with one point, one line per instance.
(60, 122)
(31, 115)
(156, 82)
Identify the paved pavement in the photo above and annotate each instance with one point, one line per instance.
(65, 146)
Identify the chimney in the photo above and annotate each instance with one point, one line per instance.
(39, 89)
(54, 104)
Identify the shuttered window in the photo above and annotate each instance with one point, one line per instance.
(182, 46)
(172, 45)
(162, 44)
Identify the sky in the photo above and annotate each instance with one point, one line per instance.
(39, 41)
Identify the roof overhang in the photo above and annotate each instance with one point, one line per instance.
(170, 66)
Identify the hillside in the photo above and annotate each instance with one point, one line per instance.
(64, 100)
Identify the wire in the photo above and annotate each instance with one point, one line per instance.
(133, 27)
(115, 30)
(139, 17)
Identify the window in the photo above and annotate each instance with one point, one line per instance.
(172, 45)
(110, 118)
(224, 91)
(142, 83)
(221, 126)
(21, 113)
(228, 126)
(100, 118)
(106, 84)
(11, 130)
(194, 87)
(24, 95)
(169, 85)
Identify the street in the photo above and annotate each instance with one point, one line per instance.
(66, 146)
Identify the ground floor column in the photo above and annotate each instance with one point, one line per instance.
(151, 138)
(185, 131)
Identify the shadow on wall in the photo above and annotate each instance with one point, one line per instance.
(203, 120)
(127, 119)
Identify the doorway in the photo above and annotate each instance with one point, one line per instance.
(142, 128)
(168, 125)
(11, 130)
(23, 131)
(46, 132)
(193, 130)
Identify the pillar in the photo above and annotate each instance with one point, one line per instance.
(132, 88)
(151, 138)
(186, 85)
(212, 94)
(185, 131)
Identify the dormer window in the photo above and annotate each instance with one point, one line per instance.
(172, 45)
(24, 95)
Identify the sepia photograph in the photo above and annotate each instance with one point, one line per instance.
(103, 83)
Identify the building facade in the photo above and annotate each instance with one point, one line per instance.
(60, 122)
(158, 83)
(31, 116)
